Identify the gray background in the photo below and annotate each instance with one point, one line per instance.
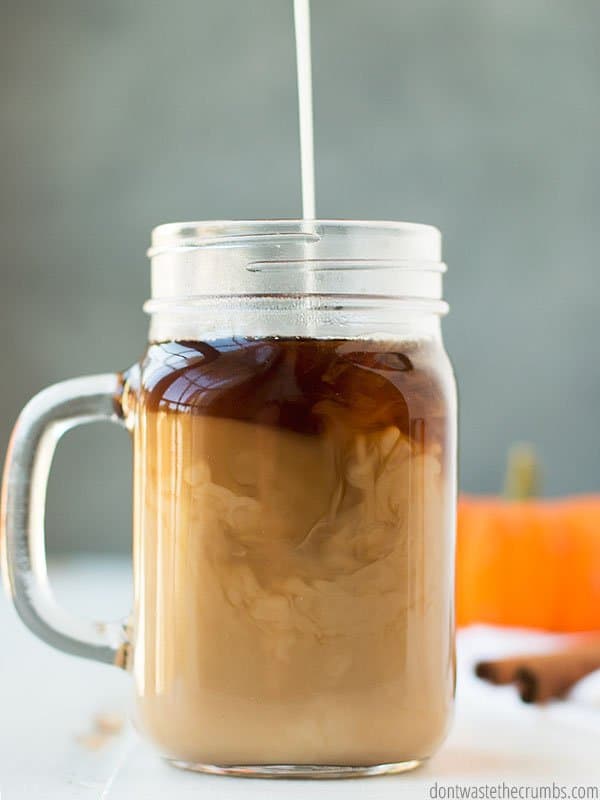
(481, 117)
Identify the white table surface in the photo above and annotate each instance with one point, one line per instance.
(48, 699)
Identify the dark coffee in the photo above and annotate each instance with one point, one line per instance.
(303, 385)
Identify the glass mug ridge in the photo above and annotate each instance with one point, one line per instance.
(294, 434)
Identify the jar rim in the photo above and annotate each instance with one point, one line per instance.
(411, 240)
(288, 257)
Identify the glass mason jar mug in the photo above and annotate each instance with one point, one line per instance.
(294, 428)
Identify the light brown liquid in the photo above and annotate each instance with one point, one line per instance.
(293, 549)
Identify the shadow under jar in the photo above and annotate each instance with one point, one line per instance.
(294, 436)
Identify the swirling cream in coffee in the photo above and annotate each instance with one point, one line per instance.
(293, 523)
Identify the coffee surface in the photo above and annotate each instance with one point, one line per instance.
(300, 384)
(293, 541)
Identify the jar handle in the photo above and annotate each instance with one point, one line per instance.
(41, 424)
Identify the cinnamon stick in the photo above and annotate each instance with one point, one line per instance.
(539, 678)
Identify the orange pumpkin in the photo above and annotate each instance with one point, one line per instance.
(527, 562)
